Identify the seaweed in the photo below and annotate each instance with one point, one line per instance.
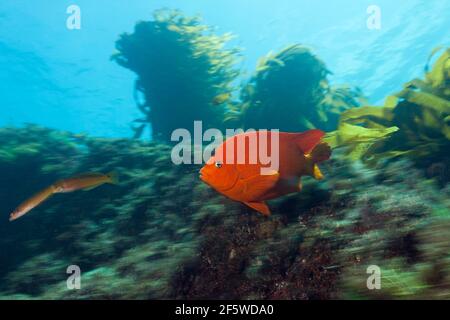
(414, 122)
(182, 65)
(290, 91)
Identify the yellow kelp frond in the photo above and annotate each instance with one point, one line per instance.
(427, 100)
(414, 122)
(351, 133)
(358, 140)
(371, 117)
(439, 76)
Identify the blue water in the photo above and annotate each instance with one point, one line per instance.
(64, 79)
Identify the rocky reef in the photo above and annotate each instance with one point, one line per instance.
(162, 233)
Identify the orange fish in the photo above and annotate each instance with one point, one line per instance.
(86, 181)
(221, 98)
(243, 181)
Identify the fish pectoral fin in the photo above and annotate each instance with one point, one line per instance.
(261, 207)
(258, 185)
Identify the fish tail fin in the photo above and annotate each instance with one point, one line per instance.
(113, 177)
(315, 150)
(320, 153)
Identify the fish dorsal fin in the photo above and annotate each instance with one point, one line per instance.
(261, 207)
(257, 185)
(307, 140)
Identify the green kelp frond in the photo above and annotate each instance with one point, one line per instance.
(360, 141)
(290, 91)
(413, 122)
(182, 66)
(439, 77)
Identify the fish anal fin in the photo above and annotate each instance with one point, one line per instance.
(257, 185)
(293, 184)
(261, 207)
(92, 187)
(308, 140)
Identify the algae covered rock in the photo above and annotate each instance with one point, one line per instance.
(182, 66)
(163, 234)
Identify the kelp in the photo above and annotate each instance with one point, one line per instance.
(290, 91)
(181, 66)
(413, 122)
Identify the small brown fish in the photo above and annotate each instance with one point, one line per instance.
(86, 182)
(221, 98)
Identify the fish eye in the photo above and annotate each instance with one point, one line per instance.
(218, 164)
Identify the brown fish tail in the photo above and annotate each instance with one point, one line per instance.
(113, 177)
(321, 152)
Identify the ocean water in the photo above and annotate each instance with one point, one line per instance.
(64, 79)
(358, 207)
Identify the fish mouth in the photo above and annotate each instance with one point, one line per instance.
(203, 176)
